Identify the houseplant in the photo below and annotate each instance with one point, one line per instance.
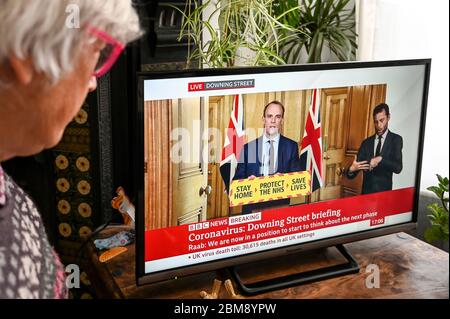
(439, 212)
(320, 24)
(250, 26)
(269, 31)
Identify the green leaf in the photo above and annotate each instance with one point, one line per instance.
(432, 234)
(443, 182)
(437, 190)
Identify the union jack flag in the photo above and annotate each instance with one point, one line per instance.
(311, 145)
(234, 141)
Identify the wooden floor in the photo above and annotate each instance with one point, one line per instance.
(409, 268)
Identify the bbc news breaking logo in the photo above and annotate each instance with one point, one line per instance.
(221, 85)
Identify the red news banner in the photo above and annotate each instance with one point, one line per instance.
(223, 232)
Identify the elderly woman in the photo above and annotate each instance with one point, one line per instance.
(51, 53)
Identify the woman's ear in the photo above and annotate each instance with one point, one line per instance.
(22, 69)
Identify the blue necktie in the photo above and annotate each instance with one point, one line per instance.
(271, 159)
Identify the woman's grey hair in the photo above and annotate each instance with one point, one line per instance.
(51, 32)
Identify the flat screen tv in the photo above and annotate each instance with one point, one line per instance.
(240, 165)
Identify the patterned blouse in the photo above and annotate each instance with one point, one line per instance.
(29, 267)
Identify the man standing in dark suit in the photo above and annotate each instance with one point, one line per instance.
(269, 154)
(379, 156)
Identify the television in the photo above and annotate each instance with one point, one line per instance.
(241, 165)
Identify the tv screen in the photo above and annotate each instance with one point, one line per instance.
(239, 165)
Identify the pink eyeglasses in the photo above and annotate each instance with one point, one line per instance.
(109, 54)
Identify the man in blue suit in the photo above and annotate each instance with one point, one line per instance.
(379, 156)
(269, 154)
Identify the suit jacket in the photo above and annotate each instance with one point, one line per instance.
(380, 178)
(250, 160)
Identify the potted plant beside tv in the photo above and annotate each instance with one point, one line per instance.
(439, 212)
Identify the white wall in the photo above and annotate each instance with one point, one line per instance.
(402, 29)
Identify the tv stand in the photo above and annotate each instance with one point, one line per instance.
(350, 267)
(420, 271)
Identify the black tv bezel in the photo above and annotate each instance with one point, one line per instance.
(138, 159)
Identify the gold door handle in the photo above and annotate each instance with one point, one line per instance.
(205, 190)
